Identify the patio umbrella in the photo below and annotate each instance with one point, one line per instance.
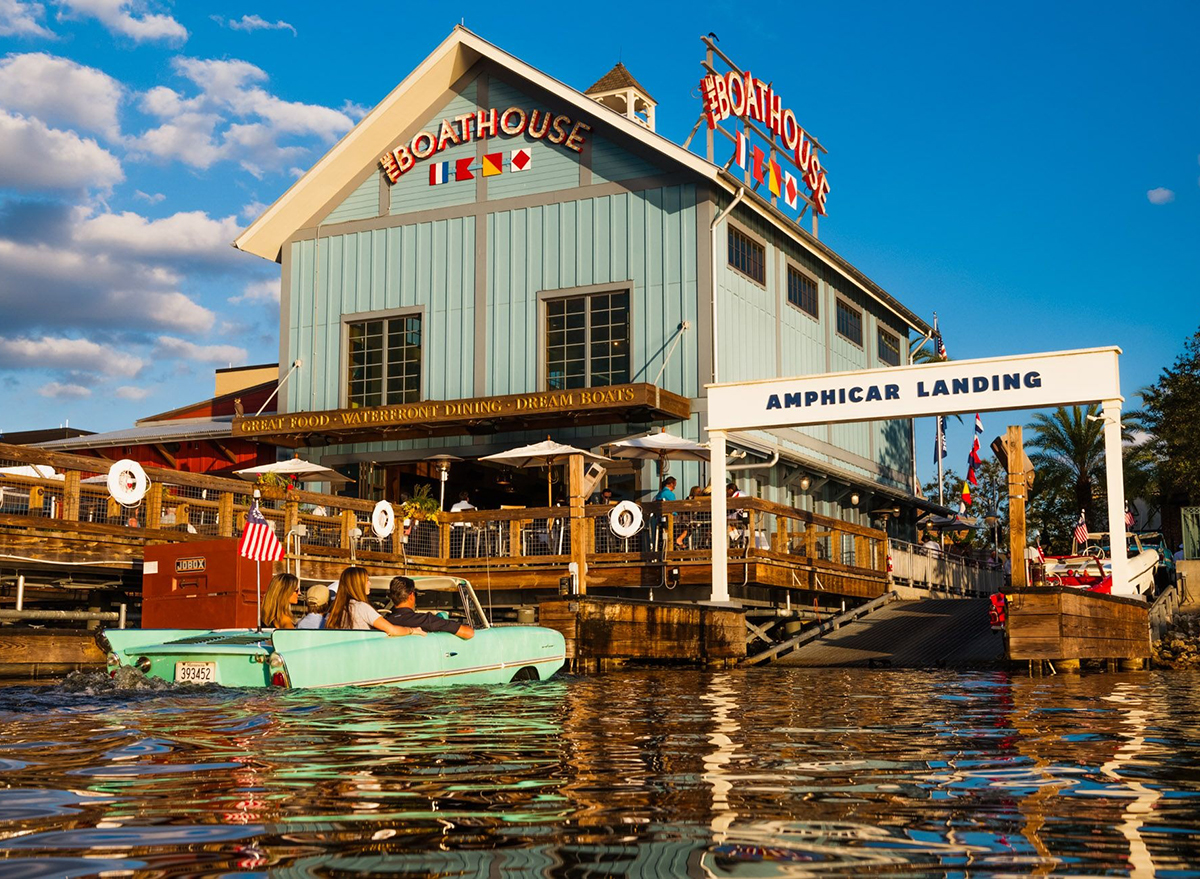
(660, 447)
(304, 471)
(543, 454)
(957, 522)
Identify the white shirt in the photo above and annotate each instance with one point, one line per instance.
(462, 507)
(362, 615)
(311, 620)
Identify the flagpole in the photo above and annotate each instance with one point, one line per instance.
(941, 474)
(257, 580)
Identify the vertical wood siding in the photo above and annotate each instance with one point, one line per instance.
(648, 238)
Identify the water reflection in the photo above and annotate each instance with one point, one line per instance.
(759, 772)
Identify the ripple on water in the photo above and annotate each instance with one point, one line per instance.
(675, 772)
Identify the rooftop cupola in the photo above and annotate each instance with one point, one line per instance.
(619, 91)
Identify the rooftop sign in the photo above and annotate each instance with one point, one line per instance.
(1030, 381)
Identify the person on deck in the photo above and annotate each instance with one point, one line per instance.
(460, 530)
(659, 520)
(282, 592)
(737, 518)
(403, 591)
(685, 523)
(316, 600)
(351, 610)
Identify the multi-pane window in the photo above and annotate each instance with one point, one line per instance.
(747, 256)
(849, 323)
(384, 361)
(587, 341)
(802, 291)
(889, 348)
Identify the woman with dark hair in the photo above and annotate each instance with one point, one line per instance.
(351, 610)
(282, 592)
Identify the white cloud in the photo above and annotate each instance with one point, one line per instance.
(34, 157)
(60, 391)
(232, 117)
(129, 392)
(1160, 195)
(152, 197)
(60, 91)
(253, 23)
(77, 355)
(188, 234)
(169, 347)
(127, 18)
(259, 291)
(253, 210)
(19, 19)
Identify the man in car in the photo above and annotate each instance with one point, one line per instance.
(403, 592)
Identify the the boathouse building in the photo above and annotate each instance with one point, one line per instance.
(491, 256)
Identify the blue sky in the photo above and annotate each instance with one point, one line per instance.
(1028, 172)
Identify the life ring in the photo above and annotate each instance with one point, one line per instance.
(127, 482)
(383, 520)
(625, 519)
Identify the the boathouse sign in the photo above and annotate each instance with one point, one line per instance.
(1032, 381)
(434, 414)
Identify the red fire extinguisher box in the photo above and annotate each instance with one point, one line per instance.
(201, 585)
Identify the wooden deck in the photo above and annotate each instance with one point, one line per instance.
(67, 520)
(1059, 623)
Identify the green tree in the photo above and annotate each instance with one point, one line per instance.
(1171, 415)
(1067, 451)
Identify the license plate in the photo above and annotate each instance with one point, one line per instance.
(195, 672)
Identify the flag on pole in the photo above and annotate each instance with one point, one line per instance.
(791, 191)
(1081, 531)
(756, 158)
(258, 540)
(938, 345)
(939, 446)
(743, 144)
(966, 494)
(1128, 516)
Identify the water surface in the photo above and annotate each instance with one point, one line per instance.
(752, 773)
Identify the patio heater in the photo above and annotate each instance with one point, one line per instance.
(443, 462)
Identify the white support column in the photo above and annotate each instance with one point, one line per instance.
(720, 529)
(1115, 484)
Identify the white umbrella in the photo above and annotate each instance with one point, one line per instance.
(304, 471)
(543, 454)
(661, 447)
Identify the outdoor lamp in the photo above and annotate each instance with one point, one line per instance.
(854, 499)
(805, 482)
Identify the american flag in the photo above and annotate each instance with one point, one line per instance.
(1128, 516)
(938, 345)
(1081, 531)
(258, 540)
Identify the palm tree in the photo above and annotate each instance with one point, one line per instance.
(1068, 452)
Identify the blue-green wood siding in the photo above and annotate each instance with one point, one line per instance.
(361, 204)
(428, 265)
(610, 163)
(645, 238)
(413, 192)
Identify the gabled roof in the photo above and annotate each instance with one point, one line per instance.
(160, 432)
(414, 98)
(615, 80)
(409, 103)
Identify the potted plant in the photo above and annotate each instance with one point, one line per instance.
(422, 506)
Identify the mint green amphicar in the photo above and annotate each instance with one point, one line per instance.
(339, 658)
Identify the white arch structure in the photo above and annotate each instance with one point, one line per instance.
(1026, 381)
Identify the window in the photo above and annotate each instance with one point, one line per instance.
(747, 256)
(587, 341)
(802, 291)
(384, 361)
(889, 348)
(849, 323)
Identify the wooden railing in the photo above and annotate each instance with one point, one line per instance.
(186, 506)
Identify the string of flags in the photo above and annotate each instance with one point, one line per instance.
(489, 166)
(767, 171)
(972, 459)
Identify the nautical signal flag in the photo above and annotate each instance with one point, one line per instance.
(439, 172)
(756, 164)
(790, 190)
(493, 164)
(743, 143)
(258, 540)
(966, 493)
(1080, 533)
(462, 169)
(520, 160)
(774, 178)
